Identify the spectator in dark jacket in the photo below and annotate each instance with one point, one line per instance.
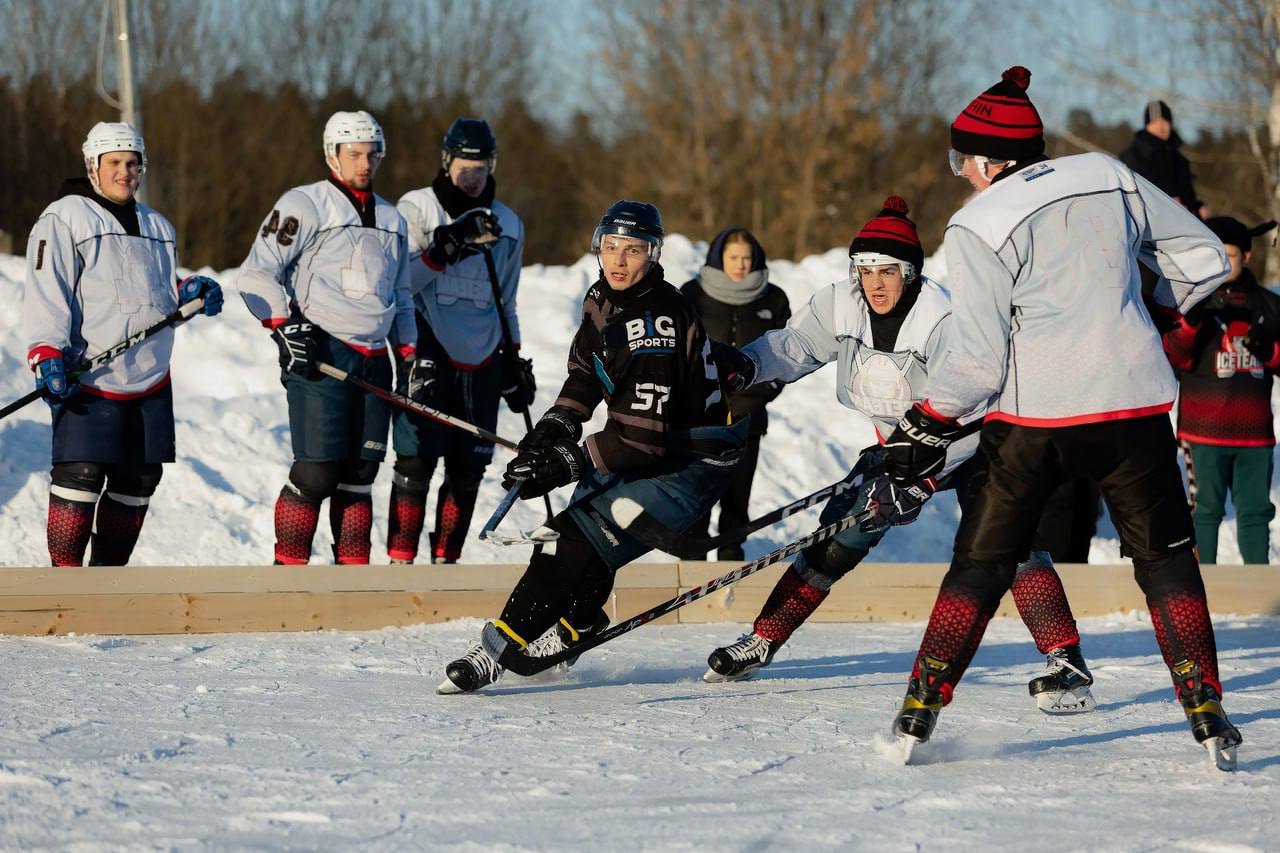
(738, 304)
(1227, 349)
(1154, 155)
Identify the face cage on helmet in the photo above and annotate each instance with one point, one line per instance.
(602, 231)
(870, 259)
(91, 165)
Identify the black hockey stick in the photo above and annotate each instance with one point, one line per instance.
(184, 312)
(508, 344)
(651, 531)
(522, 664)
(417, 408)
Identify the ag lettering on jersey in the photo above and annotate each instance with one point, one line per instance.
(651, 334)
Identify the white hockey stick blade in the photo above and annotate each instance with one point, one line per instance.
(1223, 757)
(538, 536)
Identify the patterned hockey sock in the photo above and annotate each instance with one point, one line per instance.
(966, 601)
(296, 519)
(405, 517)
(120, 520)
(70, 525)
(1184, 631)
(1042, 604)
(351, 519)
(454, 508)
(789, 605)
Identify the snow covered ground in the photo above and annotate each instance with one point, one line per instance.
(338, 741)
(215, 504)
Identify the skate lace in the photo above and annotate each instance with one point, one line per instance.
(486, 666)
(547, 645)
(1056, 661)
(748, 647)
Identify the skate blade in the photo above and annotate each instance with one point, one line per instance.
(1223, 757)
(906, 746)
(538, 536)
(713, 677)
(1079, 701)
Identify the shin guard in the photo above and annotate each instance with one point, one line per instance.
(70, 525)
(296, 520)
(1180, 614)
(1042, 604)
(405, 517)
(967, 599)
(454, 507)
(120, 520)
(788, 606)
(351, 519)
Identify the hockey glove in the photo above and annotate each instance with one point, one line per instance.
(890, 504)
(737, 370)
(917, 449)
(201, 287)
(1261, 343)
(473, 228)
(518, 384)
(546, 468)
(416, 379)
(299, 347)
(560, 423)
(50, 367)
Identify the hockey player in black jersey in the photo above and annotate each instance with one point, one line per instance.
(665, 446)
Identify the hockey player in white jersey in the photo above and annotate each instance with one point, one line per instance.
(329, 275)
(885, 327)
(1043, 268)
(102, 267)
(461, 365)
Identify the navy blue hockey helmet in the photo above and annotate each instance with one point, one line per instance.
(470, 139)
(635, 219)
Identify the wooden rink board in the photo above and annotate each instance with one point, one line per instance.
(231, 599)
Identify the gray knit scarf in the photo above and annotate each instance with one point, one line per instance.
(721, 288)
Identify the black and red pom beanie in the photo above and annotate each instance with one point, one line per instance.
(891, 233)
(1001, 123)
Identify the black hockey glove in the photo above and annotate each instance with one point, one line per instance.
(474, 228)
(737, 371)
(416, 379)
(890, 504)
(299, 343)
(559, 423)
(518, 385)
(917, 449)
(546, 468)
(1261, 343)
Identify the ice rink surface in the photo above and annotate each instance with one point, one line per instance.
(337, 741)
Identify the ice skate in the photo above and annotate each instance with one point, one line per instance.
(921, 706)
(740, 660)
(1209, 723)
(479, 667)
(1063, 686)
(561, 637)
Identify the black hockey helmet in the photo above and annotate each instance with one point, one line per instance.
(636, 219)
(470, 139)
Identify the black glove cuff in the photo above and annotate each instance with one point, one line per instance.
(563, 419)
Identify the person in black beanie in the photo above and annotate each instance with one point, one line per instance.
(1154, 155)
(737, 304)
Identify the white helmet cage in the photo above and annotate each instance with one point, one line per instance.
(107, 136)
(346, 127)
(875, 259)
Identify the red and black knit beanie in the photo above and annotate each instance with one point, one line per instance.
(1001, 123)
(891, 233)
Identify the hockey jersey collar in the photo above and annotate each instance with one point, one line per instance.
(362, 200)
(126, 214)
(1018, 167)
(622, 298)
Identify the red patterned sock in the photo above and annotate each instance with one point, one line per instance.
(789, 605)
(120, 520)
(70, 525)
(1042, 604)
(351, 519)
(405, 517)
(1184, 631)
(454, 509)
(959, 619)
(296, 519)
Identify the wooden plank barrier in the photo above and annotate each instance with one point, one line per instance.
(228, 599)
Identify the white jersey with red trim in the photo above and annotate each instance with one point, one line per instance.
(1046, 295)
(458, 300)
(91, 284)
(835, 325)
(346, 268)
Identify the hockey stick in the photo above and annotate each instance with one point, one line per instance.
(489, 533)
(521, 664)
(417, 408)
(508, 346)
(184, 312)
(637, 521)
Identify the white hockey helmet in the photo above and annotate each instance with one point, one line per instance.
(356, 126)
(107, 136)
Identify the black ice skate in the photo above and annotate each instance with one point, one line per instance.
(1209, 723)
(921, 706)
(479, 667)
(740, 661)
(563, 636)
(1063, 687)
